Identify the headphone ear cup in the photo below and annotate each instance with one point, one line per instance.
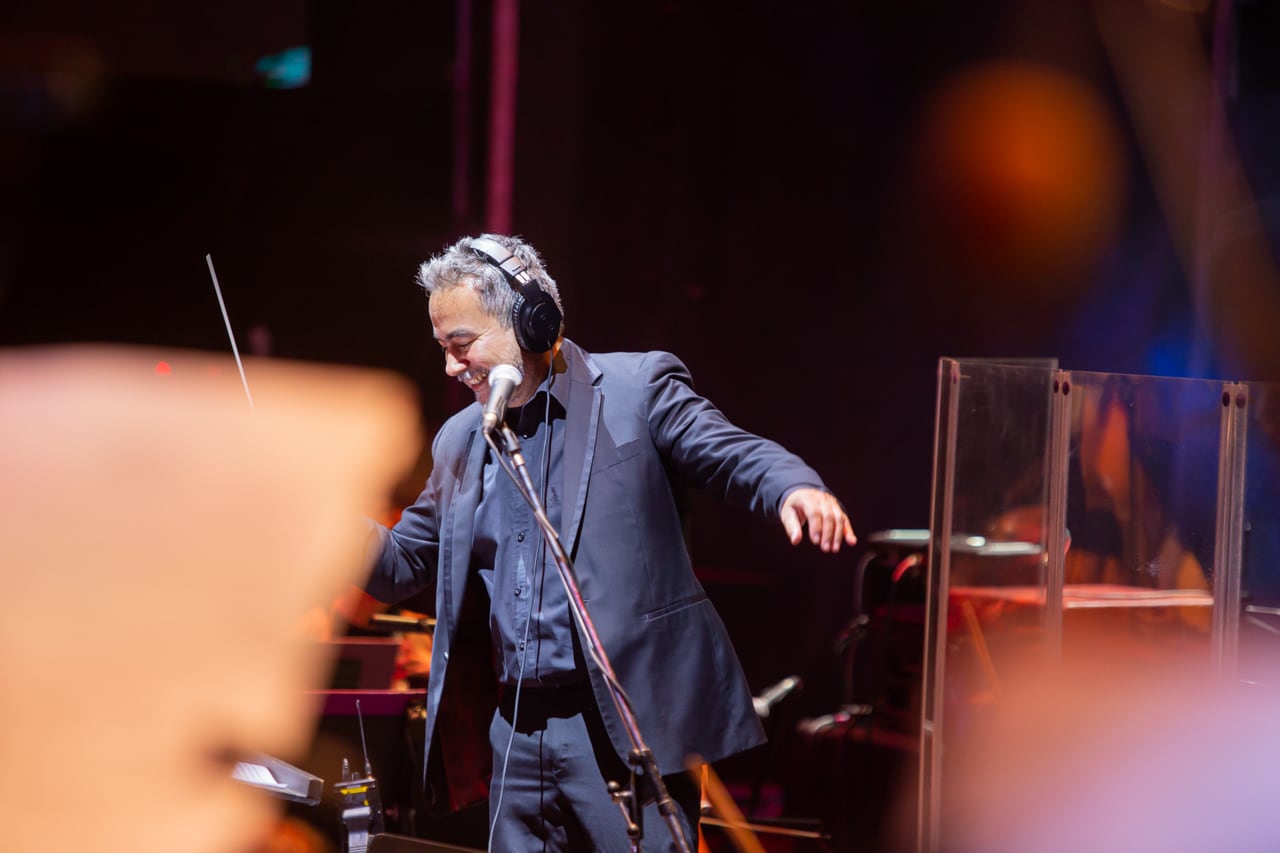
(536, 319)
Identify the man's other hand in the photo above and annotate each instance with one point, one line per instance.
(829, 527)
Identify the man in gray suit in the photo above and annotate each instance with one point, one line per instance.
(517, 712)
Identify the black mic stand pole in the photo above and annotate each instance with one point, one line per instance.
(641, 757)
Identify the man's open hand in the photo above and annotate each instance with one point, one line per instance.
(829, 527)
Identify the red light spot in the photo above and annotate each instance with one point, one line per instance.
(163, 368)
(214, 370)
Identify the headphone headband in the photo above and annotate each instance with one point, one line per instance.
(498, 255)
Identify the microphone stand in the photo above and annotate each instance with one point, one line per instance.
(641, 757)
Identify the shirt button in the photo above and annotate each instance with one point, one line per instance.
(519, 537)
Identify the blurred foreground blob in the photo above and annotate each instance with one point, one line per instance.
(1021, 175)
(1173, 759)
(159, 540)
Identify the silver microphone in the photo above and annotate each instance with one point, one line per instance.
(503, 379)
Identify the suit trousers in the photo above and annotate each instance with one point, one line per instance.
(552, 762)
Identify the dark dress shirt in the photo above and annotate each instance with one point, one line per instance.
(529, 617)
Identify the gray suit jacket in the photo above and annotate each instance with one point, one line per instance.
(637, 439)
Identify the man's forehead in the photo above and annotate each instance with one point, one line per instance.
(456, 313)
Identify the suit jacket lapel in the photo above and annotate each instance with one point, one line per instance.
(462, 525)
(582, 421)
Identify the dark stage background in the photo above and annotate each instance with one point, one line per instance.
(752, 185)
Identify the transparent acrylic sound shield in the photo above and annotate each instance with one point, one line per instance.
(1095, 539)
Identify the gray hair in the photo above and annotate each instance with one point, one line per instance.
(458, 265)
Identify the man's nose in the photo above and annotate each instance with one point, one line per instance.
(452, 367)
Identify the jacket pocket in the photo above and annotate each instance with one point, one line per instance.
(675, 606)
(623, 452)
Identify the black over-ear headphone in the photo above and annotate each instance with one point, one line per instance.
(535, 316)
